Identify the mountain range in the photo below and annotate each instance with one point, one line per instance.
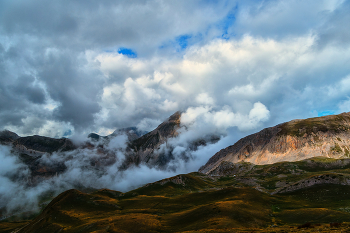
(292, 176)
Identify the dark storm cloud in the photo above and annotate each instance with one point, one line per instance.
(75, 89)
(111, 23)
(25, 89)
(20, 94)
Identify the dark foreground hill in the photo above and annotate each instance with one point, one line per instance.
(248, 198)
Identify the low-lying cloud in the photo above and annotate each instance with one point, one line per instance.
(99, 167)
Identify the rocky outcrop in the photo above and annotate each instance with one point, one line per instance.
(230, 169)
(331, 178)
(179, 179)
(296, 140)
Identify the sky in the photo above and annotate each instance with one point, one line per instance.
(75, 67)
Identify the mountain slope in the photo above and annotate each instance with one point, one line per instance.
(292, 141)
(194, 202)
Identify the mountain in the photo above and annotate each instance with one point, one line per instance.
(286, 178)
(309, 195)
(144, 149)
(141, 148)
(296, 140)
(30, 149)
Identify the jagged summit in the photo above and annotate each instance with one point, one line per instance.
(291, 141)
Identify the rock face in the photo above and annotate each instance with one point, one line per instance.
(331, 178)
(327, 136)
(142, 150)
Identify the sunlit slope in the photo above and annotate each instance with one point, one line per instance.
(326, 136)
(251, 197)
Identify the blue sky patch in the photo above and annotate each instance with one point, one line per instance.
(183, 41)
(325, 113)
(67, 133)
(127, 52)
(228, 21)
(180, 43)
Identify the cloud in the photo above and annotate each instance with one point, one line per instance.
(148, 125)
(276, 19)
(63, 63)
(86, 169)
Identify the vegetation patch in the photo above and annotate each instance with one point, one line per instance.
(336, 148)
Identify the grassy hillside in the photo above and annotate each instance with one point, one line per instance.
(240, 202)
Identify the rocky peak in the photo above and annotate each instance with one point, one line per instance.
(142, 149)
(158, 136)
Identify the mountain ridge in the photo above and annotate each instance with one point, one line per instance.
(291, 141)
